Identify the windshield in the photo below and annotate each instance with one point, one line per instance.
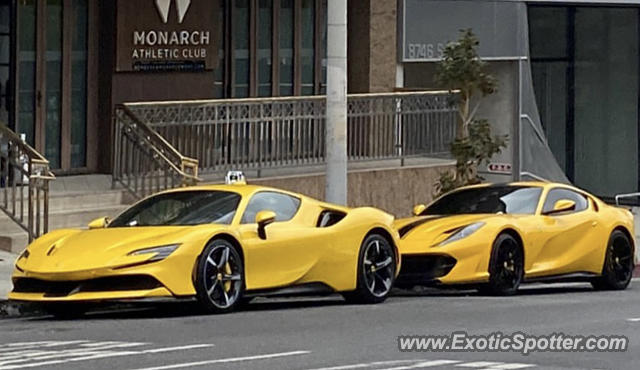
(181, 208)
(491, 199)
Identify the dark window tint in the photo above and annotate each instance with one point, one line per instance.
(490, 199)
(283, 205)
(181, 208)
(565, 194)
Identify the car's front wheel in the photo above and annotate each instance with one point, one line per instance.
(376, 271)
(220, 277)
(618, 264)
(506, 267)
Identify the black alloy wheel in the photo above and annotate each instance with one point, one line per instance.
(376, 271)
(506, 267)
(618, 264)
(220, 277)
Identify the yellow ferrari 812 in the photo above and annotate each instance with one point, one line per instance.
(220, 244)
(494, 237)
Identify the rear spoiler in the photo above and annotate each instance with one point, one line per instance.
(623, 196)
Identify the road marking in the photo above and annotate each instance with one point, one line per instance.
(634, 319)
(228, 360)
(423, 364)
(366, 365)
(36, 354)
(169, 349)
(480, 364)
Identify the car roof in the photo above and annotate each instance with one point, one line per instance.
(242, 189)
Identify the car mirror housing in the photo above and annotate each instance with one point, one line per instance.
(263, 219)
(99, 223)
(417, 210)
(563, 205)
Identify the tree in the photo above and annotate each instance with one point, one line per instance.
(462, 70)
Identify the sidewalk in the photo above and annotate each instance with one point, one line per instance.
(6, 267)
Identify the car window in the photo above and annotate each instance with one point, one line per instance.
(181, 208)
(510, 199)
(284, 206)
(559, 194)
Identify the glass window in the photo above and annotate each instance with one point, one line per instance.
(79, 85)
(219, 86)
(181, 208)
(565, 194)
(307, 51)
(585, 66)
(241, 53)
(488, 199)
(27, 69)
(606, 100)
(53, 95)
(284, 206)
(265, 41)
(286, 51)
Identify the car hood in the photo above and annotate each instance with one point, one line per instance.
(81, 250)
(430, 230)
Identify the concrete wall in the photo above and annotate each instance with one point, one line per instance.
(395, 190)
(501, 108)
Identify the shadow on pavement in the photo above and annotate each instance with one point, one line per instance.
(136, 311)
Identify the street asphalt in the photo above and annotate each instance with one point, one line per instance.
(315, 333)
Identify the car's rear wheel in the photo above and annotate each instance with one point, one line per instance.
(618, 264)
(506, 267)
(220, 277)
(376, 271)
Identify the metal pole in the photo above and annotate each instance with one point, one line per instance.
(336, 180)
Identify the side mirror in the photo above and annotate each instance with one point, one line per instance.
(563, 205)
(99, 223)
(264, 219)
(417, 210)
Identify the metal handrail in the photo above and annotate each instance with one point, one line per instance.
(286, 98)
(623, 196)
(144, 162)
(277, 132)
(22, 166)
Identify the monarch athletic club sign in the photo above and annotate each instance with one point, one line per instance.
(167, 35)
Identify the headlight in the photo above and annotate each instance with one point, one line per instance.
(159, 253)
(462, 233)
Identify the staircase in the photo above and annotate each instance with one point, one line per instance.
(73, 202)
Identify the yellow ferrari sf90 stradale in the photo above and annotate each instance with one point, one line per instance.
(494, 237)
(220, 244)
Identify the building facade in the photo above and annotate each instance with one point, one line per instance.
(567, 70)
(568, 82)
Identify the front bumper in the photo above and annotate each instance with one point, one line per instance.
(168, 278)
(424, 269)
(98, 289)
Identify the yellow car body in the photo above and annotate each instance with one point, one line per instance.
(569, 244)
(101, 264)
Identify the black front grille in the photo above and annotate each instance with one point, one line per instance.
(65, 288)
(424, 269)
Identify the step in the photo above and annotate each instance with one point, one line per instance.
(80, 218)
(13, 239)
(71, 201)
(67, 218)
(14, 243)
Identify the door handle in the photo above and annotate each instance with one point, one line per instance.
(594, 223)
